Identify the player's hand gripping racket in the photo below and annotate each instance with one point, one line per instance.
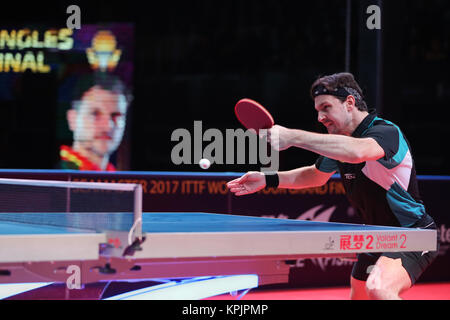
(252, 115)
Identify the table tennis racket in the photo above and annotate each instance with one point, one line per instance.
(252, 115)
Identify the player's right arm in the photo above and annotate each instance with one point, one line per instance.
(305, 177)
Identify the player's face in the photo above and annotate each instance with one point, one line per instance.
(332, 113)
(100, 121)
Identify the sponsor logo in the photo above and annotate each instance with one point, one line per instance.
(317, 213)
(103, 55)
(329, 245)
(349, 176)
(313, 215)
(370, 242)
(322, 214)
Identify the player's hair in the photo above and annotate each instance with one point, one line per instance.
(342, 80)
(101, 80)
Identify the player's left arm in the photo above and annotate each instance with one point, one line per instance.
(338, 147)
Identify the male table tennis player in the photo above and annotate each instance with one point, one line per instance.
(374, 160)
(97, 119)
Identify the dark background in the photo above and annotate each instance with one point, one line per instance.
(195, 59)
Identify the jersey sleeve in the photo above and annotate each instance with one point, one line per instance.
(392, 141)
(327, 165)
(387, 136)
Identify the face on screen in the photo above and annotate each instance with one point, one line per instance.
(98, 123)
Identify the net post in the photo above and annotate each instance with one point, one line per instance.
(138, 211)
(68, 199)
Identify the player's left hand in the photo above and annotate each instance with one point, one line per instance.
(279, 137)
(250, 182)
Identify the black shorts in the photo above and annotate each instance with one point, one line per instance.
(414, 263)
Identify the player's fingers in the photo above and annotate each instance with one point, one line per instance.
(275, 145)
(242, 192)
(262, 133)
(233, 185)
(237, 183)
(238, 191)
(237, 180)
(273, 139)
(235, 189)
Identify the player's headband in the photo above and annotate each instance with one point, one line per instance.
(338, 92)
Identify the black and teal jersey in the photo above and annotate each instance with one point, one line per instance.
(384, 191)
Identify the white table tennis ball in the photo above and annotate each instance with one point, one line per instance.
(204, 163)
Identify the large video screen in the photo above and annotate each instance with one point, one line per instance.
(65, 95)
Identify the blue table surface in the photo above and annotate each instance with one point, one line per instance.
(178, 222)
(15, 228)
(207, 222)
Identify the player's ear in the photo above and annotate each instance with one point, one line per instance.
(72, 119)
(351, 103)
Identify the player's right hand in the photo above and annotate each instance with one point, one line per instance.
(250, 182)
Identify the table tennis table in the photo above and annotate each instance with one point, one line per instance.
(233, 252)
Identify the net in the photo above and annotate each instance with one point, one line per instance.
(94, 206)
